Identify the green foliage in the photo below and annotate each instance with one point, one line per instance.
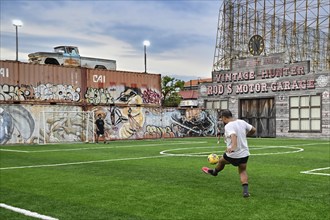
(173, 100)
(170, 91)
(132, 180)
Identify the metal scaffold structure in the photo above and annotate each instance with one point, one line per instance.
(298, 28)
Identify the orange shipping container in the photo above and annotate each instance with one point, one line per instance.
(122, 87)
(39, 83)
(25, 82)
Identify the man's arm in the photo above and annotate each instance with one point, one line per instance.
(233, 146)
(251, 132)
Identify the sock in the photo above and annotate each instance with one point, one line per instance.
(245, 188)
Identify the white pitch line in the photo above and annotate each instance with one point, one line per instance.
(198, 154)
(109, 147)
(10, 150)
(81, 162)
(315, 173)
(27, 212)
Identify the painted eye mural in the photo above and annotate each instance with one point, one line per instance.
(15, 118)
(6, 126)
(194, 123)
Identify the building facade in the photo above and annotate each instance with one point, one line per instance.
(280, 99)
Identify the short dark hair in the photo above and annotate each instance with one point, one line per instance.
(226, 113)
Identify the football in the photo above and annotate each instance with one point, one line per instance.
(213, 158)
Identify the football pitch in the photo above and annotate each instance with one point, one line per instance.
(162, 179)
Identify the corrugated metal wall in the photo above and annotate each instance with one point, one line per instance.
(25, 82)
(105, 78)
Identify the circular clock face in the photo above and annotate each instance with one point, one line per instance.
(256, 45)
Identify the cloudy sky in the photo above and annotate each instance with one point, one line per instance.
(182, 32)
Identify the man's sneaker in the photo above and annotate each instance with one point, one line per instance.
(209, 171)
(246, 194)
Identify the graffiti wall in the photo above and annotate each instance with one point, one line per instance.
(122, 95)
(50, 104)
(32, 124)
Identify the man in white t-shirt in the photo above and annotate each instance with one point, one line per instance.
(237, 152)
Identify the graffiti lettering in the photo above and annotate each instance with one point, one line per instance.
(42, 92)
(8, 92)
(158, 132)
(97, 96)
(56, 92)
(150, 96)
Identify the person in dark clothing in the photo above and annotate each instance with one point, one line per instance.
(99, 128)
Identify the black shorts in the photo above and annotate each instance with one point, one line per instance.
(236, 161)
(100, 132)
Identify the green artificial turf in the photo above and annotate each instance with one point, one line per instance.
(132, 180)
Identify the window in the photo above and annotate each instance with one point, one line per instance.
(305, 113)
(216, 104)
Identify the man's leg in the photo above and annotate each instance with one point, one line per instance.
(244, 179)
(97, 138)
(220, 166)
(104, 141)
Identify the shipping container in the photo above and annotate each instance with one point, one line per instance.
(25, 82)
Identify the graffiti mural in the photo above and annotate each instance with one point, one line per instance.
(15, 120)
(15, 93)
(66, 126)
(130, 96)
(60, 123)
(151, 97)
(40, 92)
(121, 95)
(154, 132)
(194, 122)
(139, 122)
(97, 96)
(57, 92)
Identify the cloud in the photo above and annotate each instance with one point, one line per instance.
(182, 33)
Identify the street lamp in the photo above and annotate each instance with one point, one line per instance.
(17, 23)
(146, 44)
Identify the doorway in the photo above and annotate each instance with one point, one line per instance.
(261, 114)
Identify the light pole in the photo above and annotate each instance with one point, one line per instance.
(146, 44)
(17, 23)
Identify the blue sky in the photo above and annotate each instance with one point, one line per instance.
(182, 32)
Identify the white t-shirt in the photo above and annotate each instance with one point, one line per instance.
(240, 128)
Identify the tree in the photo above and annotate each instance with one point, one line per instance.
(170, 91)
